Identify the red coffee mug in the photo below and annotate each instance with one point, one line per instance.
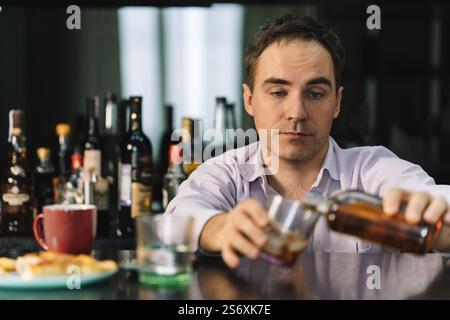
(68, 228)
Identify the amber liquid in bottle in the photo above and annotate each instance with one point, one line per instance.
(367, 221)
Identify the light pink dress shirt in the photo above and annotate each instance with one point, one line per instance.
(222, 182)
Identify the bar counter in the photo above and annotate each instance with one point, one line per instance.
(313, 276)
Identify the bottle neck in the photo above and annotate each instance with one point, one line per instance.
(111, 118)
(220, 116)
(17, 148)
(93, 127)
(44, 162)
(169, 119)
(135, 121)
(63, 142)
(45, 166)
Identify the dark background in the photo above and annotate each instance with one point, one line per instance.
(396, 93)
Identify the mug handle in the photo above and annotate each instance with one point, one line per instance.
(37, 230)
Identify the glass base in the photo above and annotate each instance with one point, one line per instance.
(276, 261)
(176, 280)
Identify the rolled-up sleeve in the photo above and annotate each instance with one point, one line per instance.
(208, 191)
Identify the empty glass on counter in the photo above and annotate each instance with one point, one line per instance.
(164, 253)
(290, 225)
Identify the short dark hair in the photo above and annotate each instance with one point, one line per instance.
(291, 27)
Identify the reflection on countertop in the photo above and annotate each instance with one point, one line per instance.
(313, 276)
(327, 276)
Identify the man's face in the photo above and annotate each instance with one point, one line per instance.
(294, 91)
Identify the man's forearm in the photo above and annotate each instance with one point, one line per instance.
(211, 235)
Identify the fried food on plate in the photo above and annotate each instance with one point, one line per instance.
(53, 263)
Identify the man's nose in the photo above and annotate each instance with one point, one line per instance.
(296, 109)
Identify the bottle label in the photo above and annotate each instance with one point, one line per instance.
(125, 185)
(101, 194)
(141, 165)
(141, 202)
(92, 163)
(15, 199)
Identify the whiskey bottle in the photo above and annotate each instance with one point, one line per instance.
(92, 145)
(113, 132)
(360, 214)
(64, 149)
(16, 195)
(135, 172)
(43, 179)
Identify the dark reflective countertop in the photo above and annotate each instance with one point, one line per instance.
(314, 276)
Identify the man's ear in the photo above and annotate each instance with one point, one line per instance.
(337, 110)
(247, 96)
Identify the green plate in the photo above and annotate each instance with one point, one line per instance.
(14, 281)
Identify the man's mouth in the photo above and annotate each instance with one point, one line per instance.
(294, 134)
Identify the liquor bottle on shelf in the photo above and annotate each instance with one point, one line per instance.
(113, 132)
(43, 179)
(175, 174)
(135, 172)
(360, 214)
(64, 149)
(166, 140)
(92, 145)
(63, 161)
(16, 186)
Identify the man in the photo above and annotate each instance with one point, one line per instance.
(294, 68)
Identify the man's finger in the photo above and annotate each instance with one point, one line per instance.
(242, 245)
(252, 231)
(230, 257)
(447, 217)
(392, 200)
(256, 212)
(416, 206)
(435, 210)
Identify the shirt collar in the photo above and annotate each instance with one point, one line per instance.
(251, 166)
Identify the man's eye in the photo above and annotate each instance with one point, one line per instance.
(278, 93)
(314, 95)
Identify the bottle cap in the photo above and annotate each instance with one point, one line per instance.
(111, 96)
(43, 153)
(16, 119)
(221, 100)
(187, 122)
(63, 129)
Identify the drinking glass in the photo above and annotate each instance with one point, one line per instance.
(290, 225)
(164, 253)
